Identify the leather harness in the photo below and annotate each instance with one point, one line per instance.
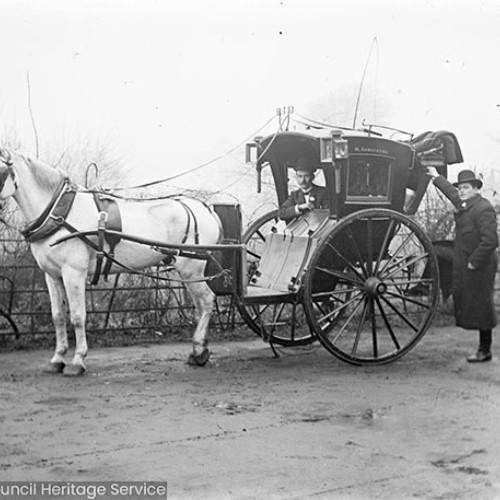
(109, 219)
(58, 208)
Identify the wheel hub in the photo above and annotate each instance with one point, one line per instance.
(375, 287)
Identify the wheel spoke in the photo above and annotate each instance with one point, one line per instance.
(388, 325)
(349, 264)
(260, 235)
(359, 329)
(292, 326)
(254, 254)
(374, 327)
(397, 252)
(354, 245)
(385, 243)
(339, 308)
(259, 310)
(405, 298)
(340, 275)
(406, 263)
(278, 310)
(347, 321)
(335, 293)
(409, 281)
(402, 316)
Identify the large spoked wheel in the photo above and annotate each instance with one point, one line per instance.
(281, 323)
(367, 269)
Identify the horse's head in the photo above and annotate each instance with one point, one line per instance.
(8, 184)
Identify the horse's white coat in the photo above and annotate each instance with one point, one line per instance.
(68, 264)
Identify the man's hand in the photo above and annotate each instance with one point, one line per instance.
(432, 172)
(470, 266)
(305, 207)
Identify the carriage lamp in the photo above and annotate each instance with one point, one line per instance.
(252, 150)
(325, 150)
(333, 147)
(340, 148)
(334, 151)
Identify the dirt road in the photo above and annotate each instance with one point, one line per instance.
(252, 427)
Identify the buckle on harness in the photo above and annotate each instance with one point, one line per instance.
(103, 218)
(101, 230)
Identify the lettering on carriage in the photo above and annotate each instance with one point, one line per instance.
(363, 149)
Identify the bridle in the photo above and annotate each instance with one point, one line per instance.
(9, 169)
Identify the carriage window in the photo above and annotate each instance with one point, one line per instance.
(369, 178)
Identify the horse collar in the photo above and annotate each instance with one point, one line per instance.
(56, 211)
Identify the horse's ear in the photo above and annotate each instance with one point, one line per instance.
(6, 156)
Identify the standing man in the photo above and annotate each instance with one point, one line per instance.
(474, 257)
(309, 195)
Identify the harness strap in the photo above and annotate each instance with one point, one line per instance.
(190, 215)
(203, 255)
(101, 228)
(109, 218)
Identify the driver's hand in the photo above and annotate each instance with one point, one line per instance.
(305, 207)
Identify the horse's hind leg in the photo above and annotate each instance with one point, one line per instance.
(58, 307)
(203, 299)
(74, 283)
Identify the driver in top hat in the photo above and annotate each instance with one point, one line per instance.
(309, 195)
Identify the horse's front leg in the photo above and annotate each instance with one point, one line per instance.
(203, 299)
(58, 308)
(74, 282)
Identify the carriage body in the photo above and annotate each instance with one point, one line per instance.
(342, 275)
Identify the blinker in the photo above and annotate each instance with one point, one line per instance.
(4, 174)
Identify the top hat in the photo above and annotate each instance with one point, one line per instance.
(468, 176)
(304, 164)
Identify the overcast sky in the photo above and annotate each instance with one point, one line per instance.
(171, 84)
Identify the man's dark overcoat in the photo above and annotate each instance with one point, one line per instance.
(287, 210)
(475, 243)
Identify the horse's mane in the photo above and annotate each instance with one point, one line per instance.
(45, 175)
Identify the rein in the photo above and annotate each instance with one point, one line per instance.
(181, 250)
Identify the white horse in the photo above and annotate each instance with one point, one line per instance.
(37, 188)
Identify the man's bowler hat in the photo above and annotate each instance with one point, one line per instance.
(468, 176)
(304, 164)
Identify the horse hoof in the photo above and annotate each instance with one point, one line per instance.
(55, 368)
(75, 371)
(199, 359)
